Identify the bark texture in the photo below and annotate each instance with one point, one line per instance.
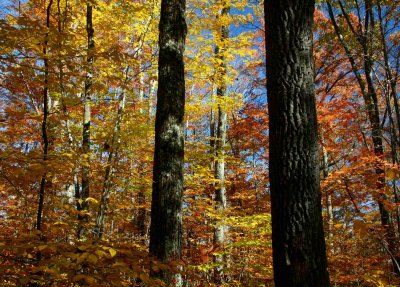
(220, 188)
(166, 207)
(82, 203)
(299, 253)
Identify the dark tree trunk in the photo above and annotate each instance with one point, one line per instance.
(82, 203)
(44, 122)
(166, 207)
(298, 244)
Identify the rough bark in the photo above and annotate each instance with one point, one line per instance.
(82, 203)
(298, 244)
(166, 207)
(44, 121)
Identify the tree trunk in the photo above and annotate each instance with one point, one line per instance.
(82, 203)
(393, 95)
(166, 207)
(44, 122)
(328, 195)
(298, 244)
(220, 188)
(106, 191)
(140, 214)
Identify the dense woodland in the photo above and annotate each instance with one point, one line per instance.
(88, 156)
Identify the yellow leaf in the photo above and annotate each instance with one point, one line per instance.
(83, 247)
(100, 253)
(119, 264)
(42, 247)
(112, 252)
(338, 225)
(92, 200)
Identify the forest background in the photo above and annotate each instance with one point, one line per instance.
(50, 234)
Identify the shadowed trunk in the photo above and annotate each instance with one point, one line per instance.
(166, 206)
(298, 244)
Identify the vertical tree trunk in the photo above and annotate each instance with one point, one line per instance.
(220, 188)
(166, 207)
(393, 95)
(106, 191)
(82, 203)
(328, 196)
(297, 233)
(45, 116)
(212, 132)
(61, 23)
(140, 214)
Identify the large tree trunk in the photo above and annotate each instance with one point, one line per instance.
(298, 244)
(166, 207)
(44, 122)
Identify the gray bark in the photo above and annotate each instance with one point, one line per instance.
(166, 207)
(298, 244)
(220, 188)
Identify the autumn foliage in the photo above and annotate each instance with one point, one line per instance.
(122, 124)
